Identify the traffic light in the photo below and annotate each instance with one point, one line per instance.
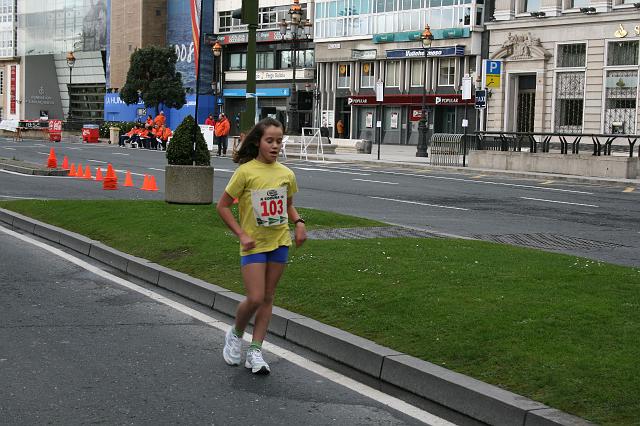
(248, 14)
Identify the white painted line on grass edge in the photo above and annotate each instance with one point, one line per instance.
(371, 393)
(559, 202)
(418, 203)
(375, 181)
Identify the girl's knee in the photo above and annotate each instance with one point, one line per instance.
(255, 300)
(268, 299)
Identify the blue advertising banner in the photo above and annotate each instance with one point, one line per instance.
(270, 92)
(431, 52)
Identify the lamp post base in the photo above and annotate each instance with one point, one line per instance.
(422, 138)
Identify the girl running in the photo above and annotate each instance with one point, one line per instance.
(264, 189)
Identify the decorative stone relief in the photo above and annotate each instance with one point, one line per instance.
(521, 46)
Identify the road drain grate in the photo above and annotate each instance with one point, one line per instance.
(372, 232)
(547, 241)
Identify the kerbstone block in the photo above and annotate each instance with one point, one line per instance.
(189, 287)
(280, 319)
(24, 223)
(143, 269)
(49, 232)
(469, 396)
(553, 417)
(76, 242)
(227, 302)
(361, 354)
(6, 216)
(106, 254)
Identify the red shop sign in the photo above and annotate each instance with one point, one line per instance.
(431, 100)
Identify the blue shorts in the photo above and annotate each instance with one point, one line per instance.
(279, 255)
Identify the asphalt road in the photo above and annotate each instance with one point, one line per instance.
(79, 347)
(592, 220)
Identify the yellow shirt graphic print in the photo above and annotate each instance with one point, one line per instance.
(270, 206)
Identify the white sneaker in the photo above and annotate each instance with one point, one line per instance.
(232, 348)
(256, 363)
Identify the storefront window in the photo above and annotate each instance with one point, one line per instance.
(366, 75)
(392, 76)
(447, 72)
(621, 92)
(344, 75)
(417, 73)
(237, 61)
(265, 60)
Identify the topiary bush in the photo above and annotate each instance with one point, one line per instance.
(181, 145)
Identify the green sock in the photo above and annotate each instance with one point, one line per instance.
(237, 333)
(255, 345)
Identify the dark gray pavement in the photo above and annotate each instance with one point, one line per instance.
(79, 349)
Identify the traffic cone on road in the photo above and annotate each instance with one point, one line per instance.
(65, 163)
(79, 172)
(87, 173)
(52, 161)
(110, 181)
(72, 170)
(128, 181)
(99, 177)
(145, 183)
(152, 183)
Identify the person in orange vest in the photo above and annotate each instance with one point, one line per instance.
(210, 121)
(149, 123)
(160, 119)
(222, 133)
(127, 136)
(163, 134)
(340, 128)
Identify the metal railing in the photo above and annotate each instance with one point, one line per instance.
(544, 141)
(447, 149)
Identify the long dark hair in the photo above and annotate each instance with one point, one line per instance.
(249, 146)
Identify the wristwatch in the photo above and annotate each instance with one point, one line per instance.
(299, 220)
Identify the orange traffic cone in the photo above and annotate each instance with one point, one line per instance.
(152, 183)
(87, 173)
(80, 172)
(52, 161)
(145, 183)
(110, 181)
(127, 180)
(72, 170)
(99, 177)
(65, 163)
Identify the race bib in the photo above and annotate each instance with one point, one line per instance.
(270, 206)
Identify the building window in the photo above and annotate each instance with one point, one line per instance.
(265, 60)
(571, 55)
(622, 53)
(447, 72)
(366, 75)
(621, 91)
(577, 4)
(305, 59)
(228, 24)
(569, 101)
(531, 6)
(344, 75)
(237, 61)
(1, 82)
(392, 75)
(417, 73)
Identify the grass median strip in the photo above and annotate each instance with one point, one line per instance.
(559, 329)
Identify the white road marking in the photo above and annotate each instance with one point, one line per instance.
(98, 161)
(375, 181)
(12, 149)
(119, 153)
(559, 202)
(421, 204)
(484, 182)
(31, 176)
(224, 170)
(74, 148)
(315, 169)
(22, 198)
(153, 168)
(369, 392)
(43, 153)
(134, 174)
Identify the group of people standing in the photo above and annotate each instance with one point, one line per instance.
(153, 134)
(221, 129)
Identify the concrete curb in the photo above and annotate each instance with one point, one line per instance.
(493, 172)
(479, 400)
(32, 170)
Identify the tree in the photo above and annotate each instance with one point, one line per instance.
(180, 149)
(152, 72)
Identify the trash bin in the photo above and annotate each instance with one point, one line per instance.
(55, 130)
(90, 133)
(364, 146)
(114, 135)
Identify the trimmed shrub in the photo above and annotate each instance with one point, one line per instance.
(181, 145)
(124, 127)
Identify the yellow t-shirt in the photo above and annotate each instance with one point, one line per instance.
(262, 191)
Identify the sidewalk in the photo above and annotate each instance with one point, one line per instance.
(405, 156)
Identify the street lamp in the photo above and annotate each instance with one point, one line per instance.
(71, 61)
(297, 30)
(217, 79)
(427, 39)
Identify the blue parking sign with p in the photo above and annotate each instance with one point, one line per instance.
(493, 67)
